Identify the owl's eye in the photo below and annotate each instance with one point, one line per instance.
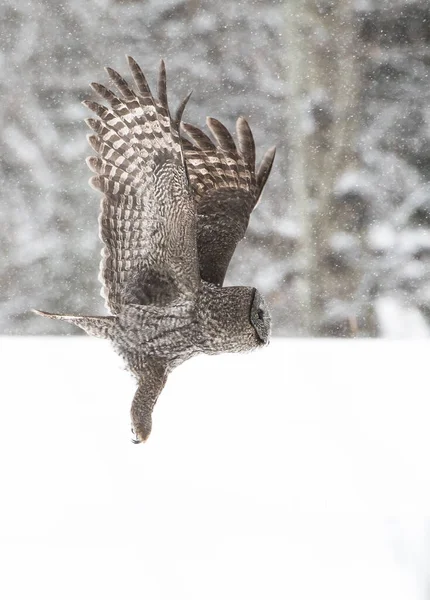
(260, 314)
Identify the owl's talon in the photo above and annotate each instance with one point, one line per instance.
(135, 439)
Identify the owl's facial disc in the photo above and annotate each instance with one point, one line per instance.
(260, 318)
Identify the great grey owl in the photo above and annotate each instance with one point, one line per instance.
(172, 212)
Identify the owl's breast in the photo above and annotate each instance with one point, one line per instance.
(169, 333)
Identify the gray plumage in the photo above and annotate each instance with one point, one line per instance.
(172, 212)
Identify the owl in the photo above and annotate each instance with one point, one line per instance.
(175, 204)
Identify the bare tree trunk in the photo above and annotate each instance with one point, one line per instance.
(324, 82)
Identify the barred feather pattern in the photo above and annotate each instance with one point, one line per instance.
(227, 188)
(147, 220)
(223, 165)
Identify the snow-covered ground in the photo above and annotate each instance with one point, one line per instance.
(301, 471)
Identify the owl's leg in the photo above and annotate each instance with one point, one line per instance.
(102, 327)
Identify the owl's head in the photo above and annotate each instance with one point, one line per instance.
(233, 319)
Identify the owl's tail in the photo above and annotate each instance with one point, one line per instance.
(102, 327)
(152, 376)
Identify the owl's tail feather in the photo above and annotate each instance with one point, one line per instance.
(102, 327)
(152, 376)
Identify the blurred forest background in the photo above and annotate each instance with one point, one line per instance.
(340, 244)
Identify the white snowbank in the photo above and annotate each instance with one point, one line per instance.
(296, 472)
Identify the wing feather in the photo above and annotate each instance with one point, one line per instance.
(201, 139)
(148, 216)
(181, 108)
(139, 78)
(246, 142)
(227, 188)
(222, 134)
(265, 168)
(162, 86)
(121, 84)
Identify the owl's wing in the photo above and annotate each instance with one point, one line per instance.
(227, 187)
(148, 215)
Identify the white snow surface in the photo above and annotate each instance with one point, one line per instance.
(300, 471)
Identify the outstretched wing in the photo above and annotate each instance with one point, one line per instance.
(148, 215)
(227, 188)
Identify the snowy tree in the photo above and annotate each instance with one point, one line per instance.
(323, 114)
(394, 150)
(358, 99)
